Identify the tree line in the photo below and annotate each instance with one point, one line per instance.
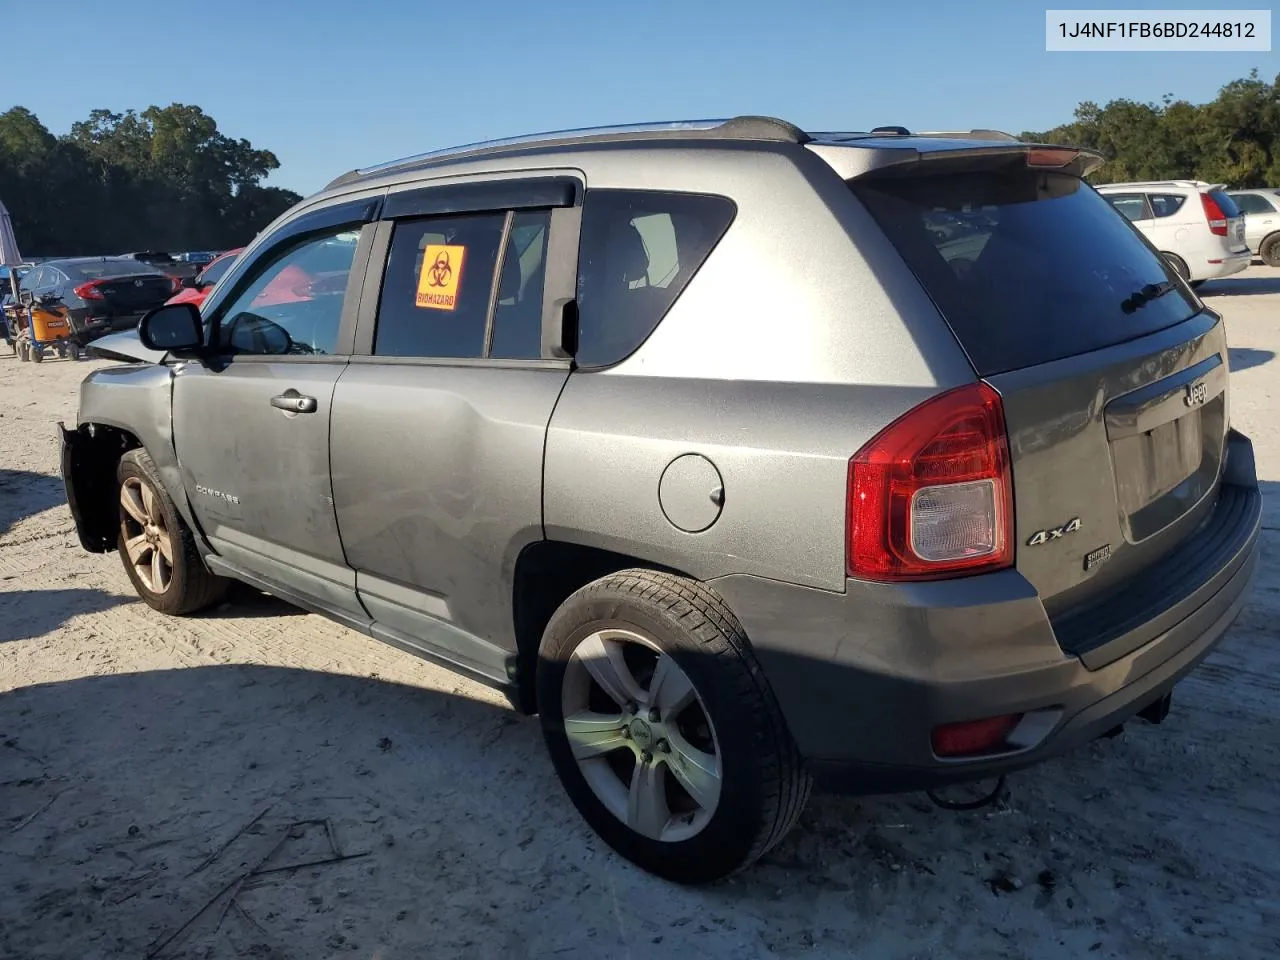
(162, 179)
(1234, 139)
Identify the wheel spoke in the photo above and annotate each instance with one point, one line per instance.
(647, 810)
(593, 734)
(149, 504)
(671, 690)
(165, 546)
(604, 661)
(137, 548)
(695, 770)
(131, 501)
(157, 572)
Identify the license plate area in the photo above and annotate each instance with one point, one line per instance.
(1166, 443)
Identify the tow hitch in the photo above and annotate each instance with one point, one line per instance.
(1157, 710)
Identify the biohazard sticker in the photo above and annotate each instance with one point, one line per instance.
(441, 273)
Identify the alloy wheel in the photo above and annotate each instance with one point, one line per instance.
(147, 540)
(641, 735)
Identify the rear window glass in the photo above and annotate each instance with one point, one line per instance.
(1032, 267)
(1225, 203)
(639, 250)
(1166, 204)
(98, 269)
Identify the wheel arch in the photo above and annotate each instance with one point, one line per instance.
(91, 453)
(547, 572)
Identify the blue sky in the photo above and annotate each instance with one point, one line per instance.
(330, 85)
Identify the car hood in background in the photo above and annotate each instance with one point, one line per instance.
(124, 346)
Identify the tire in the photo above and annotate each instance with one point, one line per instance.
(656, 621)
(1269, 250)
(188, 586)
(1179, 265)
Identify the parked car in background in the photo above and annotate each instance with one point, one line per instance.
(1196, 225)
(164, 262)
(713, 445)
(198, 287)
(97, 294)
(1261, 209)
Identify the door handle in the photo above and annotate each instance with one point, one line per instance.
(294, 402)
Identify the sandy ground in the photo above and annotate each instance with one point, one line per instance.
(263, 783)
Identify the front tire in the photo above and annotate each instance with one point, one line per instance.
(156, 546)
(663, 729)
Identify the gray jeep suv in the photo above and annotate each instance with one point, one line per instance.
(745, 457)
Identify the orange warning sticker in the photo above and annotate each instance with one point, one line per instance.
(439, 277)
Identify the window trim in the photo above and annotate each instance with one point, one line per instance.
(561, 195)
(358, 214)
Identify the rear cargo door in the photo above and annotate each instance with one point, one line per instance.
(1113, 376)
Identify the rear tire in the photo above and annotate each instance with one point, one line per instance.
(156, 546)
(1179, 265)
(1269, 250)
(690, 792)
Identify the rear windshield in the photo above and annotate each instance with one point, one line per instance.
(98, 269)
(1227, 205)
(1026, 266)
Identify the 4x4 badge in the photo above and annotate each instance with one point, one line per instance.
(1054, 533)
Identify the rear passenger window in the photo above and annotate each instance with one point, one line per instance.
(639, 250)
(1166, 204)
(1132, 205)
(437, 292)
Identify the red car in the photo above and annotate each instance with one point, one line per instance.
(204, 280)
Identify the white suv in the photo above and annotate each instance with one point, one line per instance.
(1196, 225)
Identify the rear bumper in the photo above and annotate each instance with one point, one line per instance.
(1231, 263)
(863, 678)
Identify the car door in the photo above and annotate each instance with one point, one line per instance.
(1260, 217)
(251, 420)
(440, 422)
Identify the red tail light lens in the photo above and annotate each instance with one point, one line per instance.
(1213, 213)
(931, 496)
(89, 291)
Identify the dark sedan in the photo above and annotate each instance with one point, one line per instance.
(98, 294)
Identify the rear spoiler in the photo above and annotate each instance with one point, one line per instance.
(868, 157)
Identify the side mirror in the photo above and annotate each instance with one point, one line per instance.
(175, 326)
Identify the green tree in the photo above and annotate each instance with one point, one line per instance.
(1234, 139)
(165, 178)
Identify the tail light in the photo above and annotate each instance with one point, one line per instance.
(89, 291)
(1213, 213)
(931, 496)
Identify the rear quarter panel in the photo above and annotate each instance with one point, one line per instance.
(800, 338)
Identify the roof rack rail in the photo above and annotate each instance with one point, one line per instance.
(980, 133)
(735, 128)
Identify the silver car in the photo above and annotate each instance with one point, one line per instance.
(747, 458)
(1261, 209)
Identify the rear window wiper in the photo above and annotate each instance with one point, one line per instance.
(1152, 291)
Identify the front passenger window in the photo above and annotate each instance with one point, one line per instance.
(293, 306)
